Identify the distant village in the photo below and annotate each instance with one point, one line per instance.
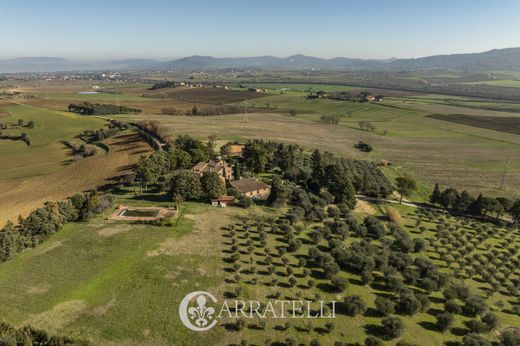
(346, 96)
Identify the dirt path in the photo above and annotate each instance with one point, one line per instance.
(376, 200)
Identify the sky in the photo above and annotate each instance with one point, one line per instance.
(162, 29)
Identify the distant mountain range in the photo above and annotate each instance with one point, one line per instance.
(496, 59)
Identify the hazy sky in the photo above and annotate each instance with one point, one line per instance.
(107, 29)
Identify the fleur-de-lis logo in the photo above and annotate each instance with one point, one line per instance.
(201, 314)
(199, 317)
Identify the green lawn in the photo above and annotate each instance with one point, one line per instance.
(109, 282)
(511, 83)
(46, 152)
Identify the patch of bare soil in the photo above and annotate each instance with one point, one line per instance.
(58, 316)
(37, 290)
(364, 207)
(115, 229)
(102, 309)
(204, 237)
(47, 247)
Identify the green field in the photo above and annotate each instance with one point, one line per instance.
(510, 83)
(121, 283)
(46, 152)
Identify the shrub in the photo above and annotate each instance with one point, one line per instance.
(474, 340)
(444, 321)
(510, 337)
(474, 306)
(385, 306)
(476, 326)
(452, 307)
(354, 305)
(393, 327)
(418, 245)
(409, 304)
(491, 320)
(373, 341)
(330, 326)
(290, 341)
(339, 283)
(245, 202)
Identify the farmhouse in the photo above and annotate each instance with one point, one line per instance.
(221, 167)
(222, 201)
(251, 187)
(232, 149)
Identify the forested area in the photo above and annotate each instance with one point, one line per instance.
(47, 220)
(205, 111)
(87, 108)
(464, 203)
(165, 84)
(315, 170)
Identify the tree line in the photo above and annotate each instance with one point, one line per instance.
(329, 119)
(464, 203)
(28, 335)
(154, 133)
(80, 151)
(87, 108)
(21, 137)
(206, 111)
(164, 84)
(47, 220)
(113, 128)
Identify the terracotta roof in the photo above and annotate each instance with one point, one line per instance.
(248, 185)
(199, 166)
(211, 166)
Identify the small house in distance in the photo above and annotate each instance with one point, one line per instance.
(222, 201)
(221, 167)
(251, 187)
(232, 149)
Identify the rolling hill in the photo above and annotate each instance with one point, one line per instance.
(507, 59)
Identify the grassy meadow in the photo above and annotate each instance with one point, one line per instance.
(44, 170)
(46, 152)
(120, 283)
